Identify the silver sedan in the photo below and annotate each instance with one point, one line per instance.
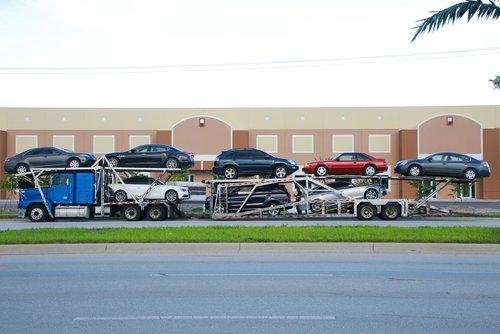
(343, 190)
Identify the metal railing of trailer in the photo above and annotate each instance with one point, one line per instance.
(342, 207)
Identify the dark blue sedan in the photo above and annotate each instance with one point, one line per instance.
(152, 156)
(446, 164)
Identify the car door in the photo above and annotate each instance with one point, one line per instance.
(457, 164)
(361, 161)
(136, 157)
(436, 165)
(345, 164)
(156, 156)
(261, 162)
(244, 160)
(55, 158)
(37, 157)
(237, 196)
(60, 189)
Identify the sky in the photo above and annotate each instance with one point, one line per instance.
(235, 53)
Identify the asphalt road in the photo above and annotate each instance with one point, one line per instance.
(19, 224)
(250, 293)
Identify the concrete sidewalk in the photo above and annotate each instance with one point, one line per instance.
(250, 248)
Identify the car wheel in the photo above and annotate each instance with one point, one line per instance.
(219, 209)
(316, 207)
(120, 196)
(470, 174)
(366, 211)
(74, 163)
(280, 172)
(132, 212)
(230, 173)
(171, 163)
(371, 194)
(114, 162)
(38, 213)
(369, 170)
(22, 168)
(414, 170)
(272, 210)
(171, 196)
(321, 171)
(390, 211)
(157, 212)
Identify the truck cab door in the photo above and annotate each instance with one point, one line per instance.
(60, 189)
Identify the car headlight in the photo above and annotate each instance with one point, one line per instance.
(292, 162)
(403, 162)
(183, 157)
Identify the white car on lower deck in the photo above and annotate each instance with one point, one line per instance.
(137, 187)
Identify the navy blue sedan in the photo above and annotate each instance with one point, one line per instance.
(445, 164)
(152, 156)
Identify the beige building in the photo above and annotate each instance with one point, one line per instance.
(302, 134)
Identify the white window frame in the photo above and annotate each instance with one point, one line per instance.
(64, 136)
(25, 136)
(333, 143)
(267, 136)
(102, 136)
(302, 136)
(138, 136)
(370, 143)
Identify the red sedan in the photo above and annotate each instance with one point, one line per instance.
(347, 164)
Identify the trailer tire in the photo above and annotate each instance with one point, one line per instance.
(157, 212)
(38, 213)
(120, 196)
(366, 211)
(390, 211)
(131, 212)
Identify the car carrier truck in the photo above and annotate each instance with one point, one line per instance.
(84, 193)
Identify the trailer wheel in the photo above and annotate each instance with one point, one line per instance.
(38, 213)
(366, 211)
(390, 211)
(132, 212)
(157, 212)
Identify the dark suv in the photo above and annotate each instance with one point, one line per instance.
(263, 197)
(250, 161)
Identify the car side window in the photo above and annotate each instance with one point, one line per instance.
(33, 152)
(244, 190)
(361, 157)
(141, 149)
(458, 158)
(437, 158)
(347, 157)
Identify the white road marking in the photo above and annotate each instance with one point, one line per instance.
(209, 317)
(239, 274)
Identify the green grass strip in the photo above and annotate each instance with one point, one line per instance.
(254, 234)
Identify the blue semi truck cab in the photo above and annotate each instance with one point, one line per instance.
(69, 194)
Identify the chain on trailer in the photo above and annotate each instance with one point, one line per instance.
(344, 206)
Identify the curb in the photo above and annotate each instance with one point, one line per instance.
(250, 248)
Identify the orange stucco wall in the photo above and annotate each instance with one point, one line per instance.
(463, 135)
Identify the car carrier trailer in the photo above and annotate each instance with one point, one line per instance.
(83, 193)
(363, 209)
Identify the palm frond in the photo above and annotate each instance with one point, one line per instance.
(448, 15)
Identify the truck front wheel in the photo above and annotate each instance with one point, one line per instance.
(37, 213)
(132, 212)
